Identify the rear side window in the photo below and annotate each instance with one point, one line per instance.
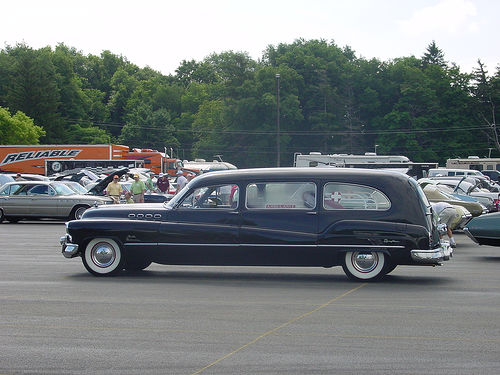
(281, 195)
(341, 196)
(39, 190)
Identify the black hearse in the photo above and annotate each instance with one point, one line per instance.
(366, 221)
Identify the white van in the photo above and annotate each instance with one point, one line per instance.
(436, 172)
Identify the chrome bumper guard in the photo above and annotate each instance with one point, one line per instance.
(433, 256)
(69, 250)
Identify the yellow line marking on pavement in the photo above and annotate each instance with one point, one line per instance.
(270, 332)
(247, 333)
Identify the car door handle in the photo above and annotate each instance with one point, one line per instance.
(311, 212)
(234, 212)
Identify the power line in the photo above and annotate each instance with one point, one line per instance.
(296, 132)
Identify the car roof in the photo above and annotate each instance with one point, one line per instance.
(294, 173)
(30, 182)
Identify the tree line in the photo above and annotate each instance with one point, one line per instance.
(323, 98)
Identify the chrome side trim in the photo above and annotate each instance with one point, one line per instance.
(367, 246)
(270, 245)
(141, 244)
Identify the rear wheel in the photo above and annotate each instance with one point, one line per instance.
(103, 257)
(1, 215)
(365, 265)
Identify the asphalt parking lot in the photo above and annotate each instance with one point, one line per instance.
(55, 318)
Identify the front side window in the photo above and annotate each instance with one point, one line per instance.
(342, 196)
(218, 196)
(281, 195)
(19, 189)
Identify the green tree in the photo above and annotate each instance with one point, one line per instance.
(123, 85)
(73, 104)
(486, 91)
(433, 56)
(33, 90)
(146, 128)
(18, 129)
(78, 134)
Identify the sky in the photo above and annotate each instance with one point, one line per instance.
(161, 34)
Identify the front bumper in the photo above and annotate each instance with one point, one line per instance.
(69, 250)
(433, 256)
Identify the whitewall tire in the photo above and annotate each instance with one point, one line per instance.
(365, 265)
(103, 257)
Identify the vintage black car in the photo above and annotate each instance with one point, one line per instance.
(364, 220)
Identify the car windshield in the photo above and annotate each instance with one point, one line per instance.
(62, 189)
(445, 189)
(76, 187)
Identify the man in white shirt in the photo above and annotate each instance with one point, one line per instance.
(181, 181)
(446, 214)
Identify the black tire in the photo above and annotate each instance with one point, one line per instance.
(2, 216)
(103, 257)
(134, 264)
(13, 220)
(365, 265)
(77, 212)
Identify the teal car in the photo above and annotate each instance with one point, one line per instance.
(485, 229)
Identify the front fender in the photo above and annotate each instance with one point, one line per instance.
(124, 230)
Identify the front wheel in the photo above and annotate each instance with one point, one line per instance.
(103, 257)
(77, 212)
(1, 216)
(365, 265)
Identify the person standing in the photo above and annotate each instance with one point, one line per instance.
(114, 189)
(181, 181)
(163, 183)
(150, 185)
(138, 188)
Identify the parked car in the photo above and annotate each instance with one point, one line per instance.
(75, 186)
(494, 175)
(487, 202)
(434, 172)
(28, 176)
(364, 220)
(151, 197)
(434, 195)
(467, 188)
(481, 182)
(43, 199)
(4, 178)
(485, 229)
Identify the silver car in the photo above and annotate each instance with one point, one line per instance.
(43, 199)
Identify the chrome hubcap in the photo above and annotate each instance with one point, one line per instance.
(103, 255)
(79, 213)
(364, 262)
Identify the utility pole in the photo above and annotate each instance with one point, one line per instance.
(278, 120)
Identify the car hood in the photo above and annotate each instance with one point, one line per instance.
(128, 211)
(99, 188)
